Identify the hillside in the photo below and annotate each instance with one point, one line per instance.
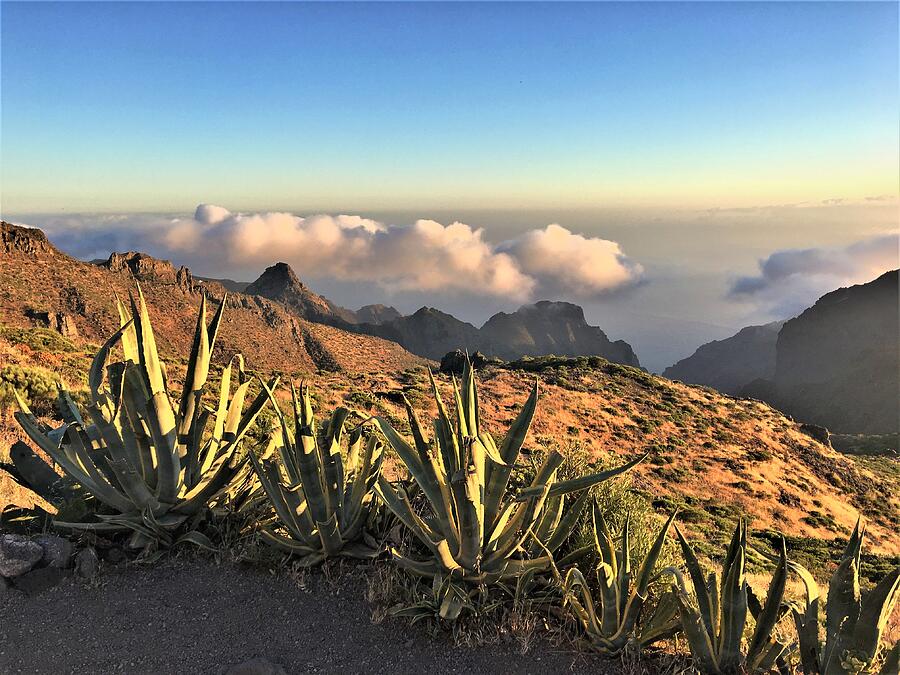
(729, 365)
(712, 457)
(41, 286)
(838, 363)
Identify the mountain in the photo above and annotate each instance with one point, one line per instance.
(429, 332)
(280, 282)
(550, 328)
(41, 286)
(730, 364)
(838, 363)
(533, 330)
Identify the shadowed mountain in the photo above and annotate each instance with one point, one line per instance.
(730, 364)
(533, 330)
(550, 328)
(838, 363)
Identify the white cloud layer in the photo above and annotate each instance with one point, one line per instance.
(793, 279)
(423, 257)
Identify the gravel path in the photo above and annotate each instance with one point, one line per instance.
(189, 615)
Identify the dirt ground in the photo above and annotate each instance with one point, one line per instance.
(189, 615)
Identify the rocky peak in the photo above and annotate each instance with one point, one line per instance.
(144, 267)
(279, 282)
(23, 240)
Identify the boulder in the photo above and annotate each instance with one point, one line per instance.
(816, 432)
(18, 554)
(453, 362)
(57, 551)
(87, 564)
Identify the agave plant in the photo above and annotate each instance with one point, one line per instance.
(476, 529)
(148, 465)
(854, 624)
(614, 625)
(714, 624)
(322, 503)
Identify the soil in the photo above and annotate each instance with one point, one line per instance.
(189, 615)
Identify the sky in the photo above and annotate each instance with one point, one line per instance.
(680, 170)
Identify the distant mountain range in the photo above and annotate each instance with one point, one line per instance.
(837, 364)
(542, 328)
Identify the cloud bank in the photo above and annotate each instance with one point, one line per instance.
(793, 279)
(426, 256)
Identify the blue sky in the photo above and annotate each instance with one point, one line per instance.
(156, 106)
(676, 145)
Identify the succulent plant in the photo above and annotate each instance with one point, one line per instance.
(714, 621)
(615, 621)
(322, 503)
(476, 529)
(148, 465)
(854, 624)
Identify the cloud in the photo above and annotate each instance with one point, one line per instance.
(568, 262)
(793, 279)
(426, 256)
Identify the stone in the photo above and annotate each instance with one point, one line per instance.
(57, 551)
(817, 433)
(87, 564)
(18, 554)
(39, 580)
(257, 666)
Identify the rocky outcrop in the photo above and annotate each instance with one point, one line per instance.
(731, 364)
(145, 267)
(838, 363)
(23, 240)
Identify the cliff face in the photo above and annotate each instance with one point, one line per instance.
(838, 363)
(729, 365)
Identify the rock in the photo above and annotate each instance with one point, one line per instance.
(87, 564)
(19, 239)
(40, 579)
(816, 432)
(257, 666)
(57, 551)
(453, 362)
(18, 554)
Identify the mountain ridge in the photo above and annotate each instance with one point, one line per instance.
(541, 328)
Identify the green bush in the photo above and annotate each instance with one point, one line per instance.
(37, 385)
(38, 339)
